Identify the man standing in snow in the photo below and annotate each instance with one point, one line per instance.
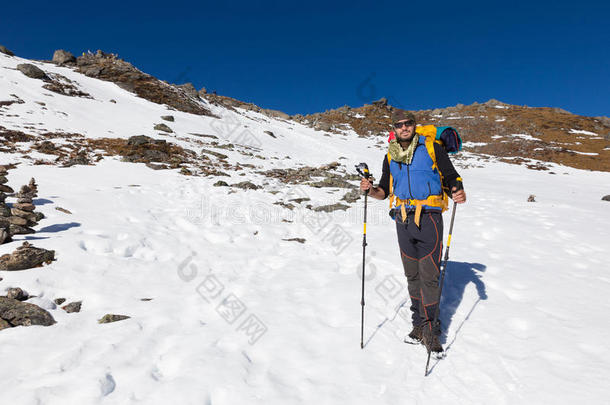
(415, 187)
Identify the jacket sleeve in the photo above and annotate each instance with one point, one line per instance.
(451, 177)
(384, 182)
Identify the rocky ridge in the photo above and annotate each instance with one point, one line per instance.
(512, 133)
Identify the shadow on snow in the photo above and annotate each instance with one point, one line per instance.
(457, 277)
(59, 227)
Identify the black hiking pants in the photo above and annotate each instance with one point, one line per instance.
(420, 250)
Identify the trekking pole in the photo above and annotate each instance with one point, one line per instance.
(363, 170)
(440, 290)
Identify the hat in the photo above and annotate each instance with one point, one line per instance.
(401, 115)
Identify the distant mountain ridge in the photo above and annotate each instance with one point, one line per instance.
(509, 132)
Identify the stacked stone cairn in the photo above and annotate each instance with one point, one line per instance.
(34, 187)
(23, 216)
(5, 211)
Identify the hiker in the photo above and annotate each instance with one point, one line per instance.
(411, 178)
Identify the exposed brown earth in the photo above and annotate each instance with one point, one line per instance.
(542, 133)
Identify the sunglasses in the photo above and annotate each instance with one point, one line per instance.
(398, 125)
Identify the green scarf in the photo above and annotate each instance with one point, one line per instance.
(398, 154)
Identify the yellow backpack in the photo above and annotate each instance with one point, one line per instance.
(430, 133)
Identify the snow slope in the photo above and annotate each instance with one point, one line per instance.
(239, 315)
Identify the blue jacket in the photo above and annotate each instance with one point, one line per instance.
(417, 180)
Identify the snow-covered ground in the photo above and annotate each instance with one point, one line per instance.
(240, 316)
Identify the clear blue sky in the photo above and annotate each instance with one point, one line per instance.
(305, 57)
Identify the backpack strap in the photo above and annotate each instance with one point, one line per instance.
(432, 153)
(392, 197)
(430, 141)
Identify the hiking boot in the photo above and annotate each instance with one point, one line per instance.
(431, 341)
(415, 336)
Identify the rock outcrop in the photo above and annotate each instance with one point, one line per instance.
(111, 68)
(25, 257)
(17, 313)
(62, 57)
(512, 133)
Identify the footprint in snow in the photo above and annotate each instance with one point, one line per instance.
(107, 385)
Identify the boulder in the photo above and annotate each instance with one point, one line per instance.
(31, 71)
(163, 127)
(156, 166)
(80, 158)
(382, 102)
(26, 256)
(47, 147)
(19, 230)
(4, 324)
(112, 318)
(139, 140)
(5, 236)
(246, 185)
(24, 206)
(5, 212)
(214, 153)
(322, 126)
(63, 57)
(65, 211)
(6, 51)
(300, 240)
(17, 294)
(330, 166)
(493, 102)
(17, 221)
(275, 114)
(352, 196)
(72, 307)
(93, 71)
(28, 216)
(331, 207)
(18, 313)
(189, 89)
(332, 181)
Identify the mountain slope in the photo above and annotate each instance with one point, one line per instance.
(235, 297)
